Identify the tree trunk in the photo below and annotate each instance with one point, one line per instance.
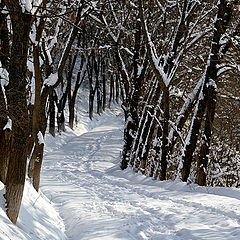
(165, 126)
(4, 39)
(132, 110)
(4, 139)
(104, 87)
(71, 113)
(37, 165)
(61, 121)
(18, 110)
(37, 155)
(91, 99)
(143, 126)
(72, 96)
(224, 18)
(191, 142)
(117, 90)
(38, 150)
(111, 95)
(208, 101)
(146, 131)
(52, 99)
(60, 113)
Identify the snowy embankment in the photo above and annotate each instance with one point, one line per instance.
(96, 200)
(37, 218)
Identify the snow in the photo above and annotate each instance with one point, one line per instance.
(3, 76)
(65, 49)
(8, 124)
(30, 5)
(3, 80)
(99, 201)
(40, 138)
(37, 218)
(51, 80)
(113, 37)
(85, 195)
(26, 5)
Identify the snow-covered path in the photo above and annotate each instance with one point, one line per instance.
(99, 201)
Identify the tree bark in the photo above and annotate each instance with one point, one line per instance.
(4, 138)
(52, 99)
(208, 101)
(146, 131)
(37, 165)
(18, 110)
(4, 39)
(224, 18)
(133, 101)
(163, 154)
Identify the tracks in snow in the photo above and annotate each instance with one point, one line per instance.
(97, 201)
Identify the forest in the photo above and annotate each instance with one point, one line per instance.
(172, 65)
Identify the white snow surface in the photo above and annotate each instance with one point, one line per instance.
(98, 201)
(95, 200)
(38, 219)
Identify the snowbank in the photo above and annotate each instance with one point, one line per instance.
(37, 218)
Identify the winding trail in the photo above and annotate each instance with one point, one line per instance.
(99, 201)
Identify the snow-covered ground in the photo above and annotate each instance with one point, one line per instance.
(38, 219)
(82, 180)
(99, 201)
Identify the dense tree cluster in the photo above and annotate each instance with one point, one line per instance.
(173, 65)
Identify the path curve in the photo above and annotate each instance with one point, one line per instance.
(98, 201)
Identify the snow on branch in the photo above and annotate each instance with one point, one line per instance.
(30, 6)
(51, 80)
(154, 59)
(40, 138)
(223, 68)
(8, 124)
(113, 37)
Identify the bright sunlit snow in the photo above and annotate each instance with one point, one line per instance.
(82, 179)
(38, 220)
(99, 201)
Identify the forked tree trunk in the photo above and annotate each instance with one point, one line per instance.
(191, 142)
(36, 120)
